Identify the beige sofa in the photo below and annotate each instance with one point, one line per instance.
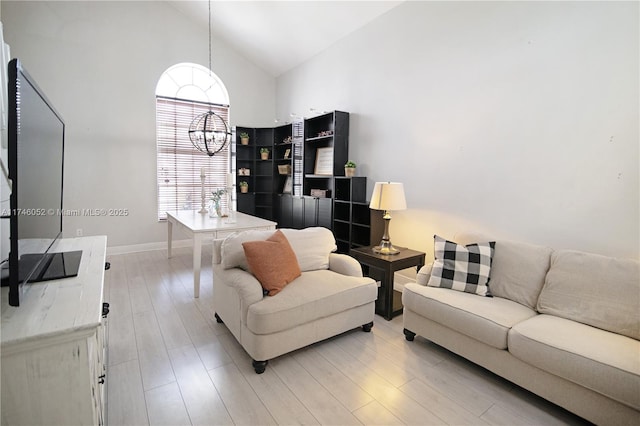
(562, 324)
(330, 297)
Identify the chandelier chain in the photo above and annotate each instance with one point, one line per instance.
(209, 38)
(209, 132)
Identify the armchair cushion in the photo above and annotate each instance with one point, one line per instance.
(315, 294)
(272, 261)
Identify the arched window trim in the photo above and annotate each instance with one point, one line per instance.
(179, 164)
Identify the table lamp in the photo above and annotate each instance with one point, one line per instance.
(387, 196)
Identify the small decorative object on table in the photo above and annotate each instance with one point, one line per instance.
(350, 169)
(203, 177)
(244, 138)
(216, 197)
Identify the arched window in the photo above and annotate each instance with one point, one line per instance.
(184, 91)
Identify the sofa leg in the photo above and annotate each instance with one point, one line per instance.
(259, 366)
(367, 327)
(409, 335)
(218, 319)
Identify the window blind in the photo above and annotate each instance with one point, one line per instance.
(179, 163)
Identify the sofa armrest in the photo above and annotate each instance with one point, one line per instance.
(424, 274)
(345, 265)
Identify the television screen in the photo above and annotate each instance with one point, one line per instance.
(35, 155)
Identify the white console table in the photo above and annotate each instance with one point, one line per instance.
(200, 226)
(53, 345)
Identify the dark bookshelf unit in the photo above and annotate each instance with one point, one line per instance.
(326, 150)
(286, 188)
(285, 149)
(351, 213)
(255, 171)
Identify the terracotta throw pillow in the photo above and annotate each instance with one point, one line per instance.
(272, 262)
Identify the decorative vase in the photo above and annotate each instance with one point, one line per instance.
(244, 189)
(244, 141)
(349, 171)
(215, 209)
(264, 155)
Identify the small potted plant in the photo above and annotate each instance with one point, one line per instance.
(244, 186)
(264, 153)
(350, 169)
(244, 138)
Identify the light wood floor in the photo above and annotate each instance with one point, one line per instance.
(170, 363)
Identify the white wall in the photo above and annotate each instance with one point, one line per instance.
(519, 120)
(99, 62)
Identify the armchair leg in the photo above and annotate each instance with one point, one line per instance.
(409, 335)
(218, 319)
(259, 366)
(367, 327)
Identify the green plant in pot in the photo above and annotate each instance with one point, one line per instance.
(350, 169)
(264, 153)
(244, 138)
(244, 186)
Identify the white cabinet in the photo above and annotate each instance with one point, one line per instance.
(53, 346)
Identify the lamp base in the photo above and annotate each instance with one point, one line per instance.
(385, 247)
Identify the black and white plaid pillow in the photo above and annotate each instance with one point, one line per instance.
(462, 268)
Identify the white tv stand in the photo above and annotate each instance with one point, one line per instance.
(53, 346)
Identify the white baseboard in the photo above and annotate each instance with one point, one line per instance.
(148, 247)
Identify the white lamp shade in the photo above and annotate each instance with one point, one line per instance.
(388, 196)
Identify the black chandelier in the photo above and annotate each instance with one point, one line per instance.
(208, 132)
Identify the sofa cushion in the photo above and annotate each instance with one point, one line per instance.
(596, 290)
(312, 247)
(462, 268)
(313, 295)
(482, 318)
(518, 271)
(568, 349)
(272, 261)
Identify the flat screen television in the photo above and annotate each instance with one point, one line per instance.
(36, 167)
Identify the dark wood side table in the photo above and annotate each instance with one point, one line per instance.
(381, 268)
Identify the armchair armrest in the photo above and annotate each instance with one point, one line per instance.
(217, 251)
(345, 265)
(424, 274)
(245, 284)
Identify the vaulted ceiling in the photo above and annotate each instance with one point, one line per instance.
(280, 35)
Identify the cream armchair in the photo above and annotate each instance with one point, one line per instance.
(330, 297)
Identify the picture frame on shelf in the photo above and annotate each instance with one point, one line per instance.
(288, 185)
(324, 161)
